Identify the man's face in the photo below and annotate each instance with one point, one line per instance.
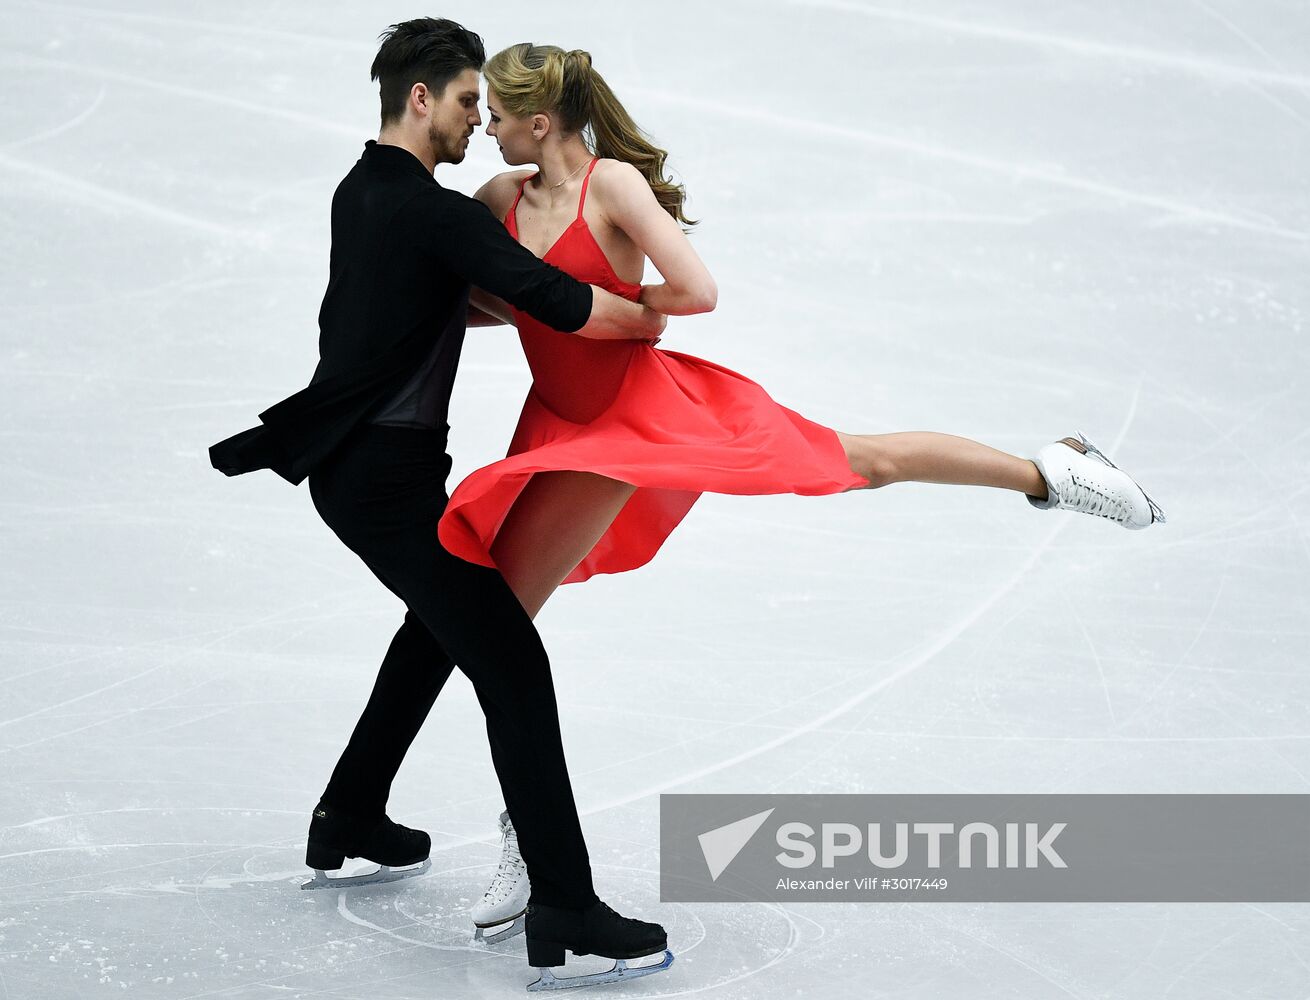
(453, 116)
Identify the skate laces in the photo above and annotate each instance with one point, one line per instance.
(1087, 498)
(507, 871)
(631, 922)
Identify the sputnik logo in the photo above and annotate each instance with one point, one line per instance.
(724, 843)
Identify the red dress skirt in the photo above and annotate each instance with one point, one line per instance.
(670, 424)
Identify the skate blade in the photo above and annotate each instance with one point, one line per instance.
(1093, 450)
(621, 972)
(384, 874)
(1157, 512)
(496, 933)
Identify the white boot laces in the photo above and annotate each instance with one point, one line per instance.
(507, 871)
(1087, 498)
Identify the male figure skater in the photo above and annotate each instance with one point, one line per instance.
(370, 434)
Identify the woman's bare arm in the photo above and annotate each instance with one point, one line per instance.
(486, 309)
(629, 203)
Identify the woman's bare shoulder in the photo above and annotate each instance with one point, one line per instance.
(499, 192)
(616, 175)
(619, 185)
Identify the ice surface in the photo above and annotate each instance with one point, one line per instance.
(1008, 221)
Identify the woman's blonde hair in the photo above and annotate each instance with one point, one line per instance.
(530, 79)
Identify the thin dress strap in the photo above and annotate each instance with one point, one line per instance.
(509, 216)
(582, 199)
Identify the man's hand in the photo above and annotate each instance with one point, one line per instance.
(616, 318)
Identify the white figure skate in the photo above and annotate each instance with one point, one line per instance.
(1080, 477)
(499, 915)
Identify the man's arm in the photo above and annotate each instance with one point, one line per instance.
(615, 318)
(465, 237)
(611, 316)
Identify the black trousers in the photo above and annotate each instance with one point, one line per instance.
(382, 492)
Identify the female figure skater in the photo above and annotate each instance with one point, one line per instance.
(617, 439)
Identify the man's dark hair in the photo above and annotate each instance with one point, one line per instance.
(429, 50)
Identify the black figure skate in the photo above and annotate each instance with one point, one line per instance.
(334, 836)
(597, 930)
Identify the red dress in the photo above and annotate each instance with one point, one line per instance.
(672, 425)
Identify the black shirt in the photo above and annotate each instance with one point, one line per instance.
(404, 252)
(424, 401)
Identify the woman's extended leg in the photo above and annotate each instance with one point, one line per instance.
(930, 457)
(553, 524)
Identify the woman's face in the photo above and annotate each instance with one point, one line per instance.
(517, 137)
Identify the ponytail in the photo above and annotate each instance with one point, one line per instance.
(617, 137)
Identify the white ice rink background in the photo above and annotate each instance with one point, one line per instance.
(1009, 221)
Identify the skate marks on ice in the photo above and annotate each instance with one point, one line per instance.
(764, 934)
(238, 925)
(178, 656)
(1207, 69)
(228, 921)
(88, 194)
(326, 125)
(1057, 177)
(65, 126)
(193, 26)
